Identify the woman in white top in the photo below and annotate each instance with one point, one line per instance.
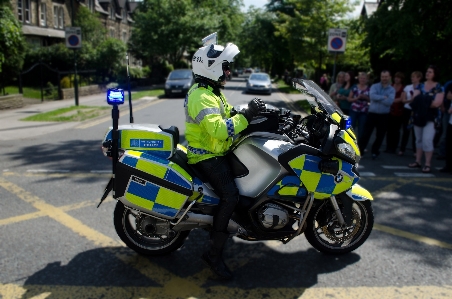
(407, 98)
(426, 132)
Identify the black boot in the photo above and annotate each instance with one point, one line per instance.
(213, 258)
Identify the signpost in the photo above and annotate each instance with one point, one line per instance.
(337, 39)
(73, 37)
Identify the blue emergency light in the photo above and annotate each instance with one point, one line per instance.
(115, 96)
(348, 123)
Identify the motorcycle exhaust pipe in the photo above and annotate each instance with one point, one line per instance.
(233, 227)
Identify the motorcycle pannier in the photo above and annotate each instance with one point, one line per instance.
(152, 184)
(147, 138)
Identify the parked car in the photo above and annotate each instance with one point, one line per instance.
(259, 83)
(179, 82)
(248, 70)
(240, 71)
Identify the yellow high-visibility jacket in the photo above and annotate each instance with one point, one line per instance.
(209, 127)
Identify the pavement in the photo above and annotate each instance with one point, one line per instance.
(12, 127)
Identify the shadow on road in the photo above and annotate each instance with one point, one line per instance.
(258, 269)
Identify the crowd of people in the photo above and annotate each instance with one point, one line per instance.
(396, 111)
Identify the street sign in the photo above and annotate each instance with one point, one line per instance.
(337, 38)
(73, 36)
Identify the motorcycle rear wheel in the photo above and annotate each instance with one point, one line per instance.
(331, 238)
(125, 221)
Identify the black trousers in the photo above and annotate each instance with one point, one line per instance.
(374, 121)
(393, 132)
(406, 132)
(220, 176)
(449, 147)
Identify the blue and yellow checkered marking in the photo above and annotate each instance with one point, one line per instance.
(208, 199)
(288, 186)
(155, 198)
(155, 143)
(149, 195)
(323, 185)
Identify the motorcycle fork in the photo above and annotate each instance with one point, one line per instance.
(344, 217)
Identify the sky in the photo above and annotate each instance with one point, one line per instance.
(261, 3)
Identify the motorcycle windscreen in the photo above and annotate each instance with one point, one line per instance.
(151, 184)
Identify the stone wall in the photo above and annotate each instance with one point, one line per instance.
(68, 93)
(11, 101)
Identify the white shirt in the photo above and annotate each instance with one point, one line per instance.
(408, 89)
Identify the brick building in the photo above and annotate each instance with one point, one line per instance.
(43, 21)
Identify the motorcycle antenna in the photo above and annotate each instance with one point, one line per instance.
(115, 97)
(128, 87)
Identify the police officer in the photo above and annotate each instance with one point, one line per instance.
(211, 123)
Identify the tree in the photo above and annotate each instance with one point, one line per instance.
(304, 23)
(407, 35)
(110, 55)
(11, 41)
(168, 29)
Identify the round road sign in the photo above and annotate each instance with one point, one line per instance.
(73, 40)
(336, 43)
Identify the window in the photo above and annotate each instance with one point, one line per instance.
(91, 5)
(55, 16)
(27, 11)
(19, 10)
(58, 16)
(43, 17)
(112, 11)
(112, 32)
(124, 15)
(124, 36)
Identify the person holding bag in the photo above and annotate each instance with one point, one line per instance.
(425, 108)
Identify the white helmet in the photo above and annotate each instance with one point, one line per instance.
(208, 61)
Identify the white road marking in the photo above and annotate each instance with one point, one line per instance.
(414, 175)
(367, 174)
(48, 170)
(395, 167)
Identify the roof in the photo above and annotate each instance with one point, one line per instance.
(40, 31)
(99, 8)
(133, 5)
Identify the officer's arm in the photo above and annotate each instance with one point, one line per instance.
(207, 113)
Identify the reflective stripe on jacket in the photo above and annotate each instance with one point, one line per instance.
(209, 127)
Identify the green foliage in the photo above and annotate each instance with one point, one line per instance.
(146, 71)
(181, 64)
(11, 41)
(92, 29)
(65, 82)
(169, 28)
(410, 34)
(111, 53)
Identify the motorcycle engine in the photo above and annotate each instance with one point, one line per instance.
(273, 216)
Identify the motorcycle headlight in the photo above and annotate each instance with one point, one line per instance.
(347, 150)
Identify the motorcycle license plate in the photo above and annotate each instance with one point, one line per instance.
(176, 90)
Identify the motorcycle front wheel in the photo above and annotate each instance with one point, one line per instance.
(325, 234)
(144, 234)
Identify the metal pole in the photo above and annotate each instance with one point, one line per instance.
(130, 95)
(75, 79)
(40, 69)
(114, 144)
(334, 68)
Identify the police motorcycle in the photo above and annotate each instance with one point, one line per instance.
(295, 175)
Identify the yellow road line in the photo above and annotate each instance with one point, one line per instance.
(122, 113)
(12, 291)
(434, 187)
(411, 236)
(57, 214)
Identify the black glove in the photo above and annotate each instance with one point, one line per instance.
(254, 108)
(288, 125)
